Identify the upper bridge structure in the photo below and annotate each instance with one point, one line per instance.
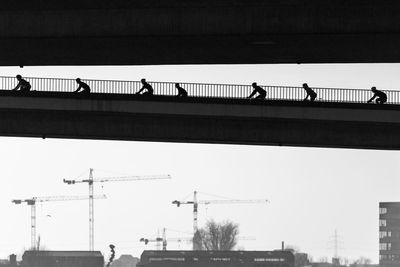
(213, 113)
(135, 32)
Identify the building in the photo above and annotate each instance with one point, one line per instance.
(41, 258)
(157, 258)
(389, 234)
(11, 262)
(125, 261)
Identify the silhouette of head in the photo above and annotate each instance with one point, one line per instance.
(78, 80)
(305, 85)
(143, 80)
(254, 84)
(19, 77)
(373, 88)
(177, 85)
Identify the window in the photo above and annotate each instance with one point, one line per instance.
(269, 259)
(382, 234)
(382, 210)
(389, 233)
(385, 246)
(220, 259)
(382, 222)
(152, 259)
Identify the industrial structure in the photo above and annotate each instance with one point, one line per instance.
(62, 259)
(90, 182)
(32, 202)
(389, 234)
(213, 113)
(155, 258)
(196, 203)
(164, 240)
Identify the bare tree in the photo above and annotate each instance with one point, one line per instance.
(217, 236)
(362, 261)
(323, 259)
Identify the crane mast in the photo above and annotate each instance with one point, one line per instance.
(196, 203)
(195, 212)
(90, 181)
(33, 225)
(164, 240)
(91, 211)
(32, 202)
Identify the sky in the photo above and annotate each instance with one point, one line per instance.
(312, 191)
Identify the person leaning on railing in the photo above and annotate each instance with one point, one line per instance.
(310, 93)
(83, 87)
(181, 91)
(257, 89)
(146, 86)
(380, 96)
(23, 85)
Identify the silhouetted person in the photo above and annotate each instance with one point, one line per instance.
(310, 93)
(83, 87)
(146, 86)
(380, 96)
(181, 91)
(257, 89)
(23, 85)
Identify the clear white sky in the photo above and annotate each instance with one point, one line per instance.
(313, 191)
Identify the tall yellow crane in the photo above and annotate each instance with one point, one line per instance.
(90, 182)
(196, 203)
(32, 202)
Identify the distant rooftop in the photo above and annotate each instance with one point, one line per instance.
(63, 253)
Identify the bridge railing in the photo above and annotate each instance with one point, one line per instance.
(223, 91)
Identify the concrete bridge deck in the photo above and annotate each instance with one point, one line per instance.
(201, 119)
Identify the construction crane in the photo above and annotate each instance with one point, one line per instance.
(164, 240)
(90, 182)
(196, 203)
(157, 240)
(32, 202)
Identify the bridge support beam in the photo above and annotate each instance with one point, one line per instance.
(170, 126)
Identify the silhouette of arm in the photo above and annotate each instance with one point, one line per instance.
(372, 98)
(252, 94)
(16, 87)
(308, 94)
(79, 88)
(140, 90)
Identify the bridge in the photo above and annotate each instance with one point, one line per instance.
(213, 113)
(135, 32)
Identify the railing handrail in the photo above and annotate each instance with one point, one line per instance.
(208, 90)
(197, 83)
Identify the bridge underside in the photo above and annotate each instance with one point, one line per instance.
(170, 120)
(276, 132)
(134, 32)
(311, 48)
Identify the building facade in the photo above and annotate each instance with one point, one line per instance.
(175, 258)
(40, 258)
(125, 261)
(389, 234)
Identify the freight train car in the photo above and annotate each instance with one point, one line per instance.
(157, 258)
